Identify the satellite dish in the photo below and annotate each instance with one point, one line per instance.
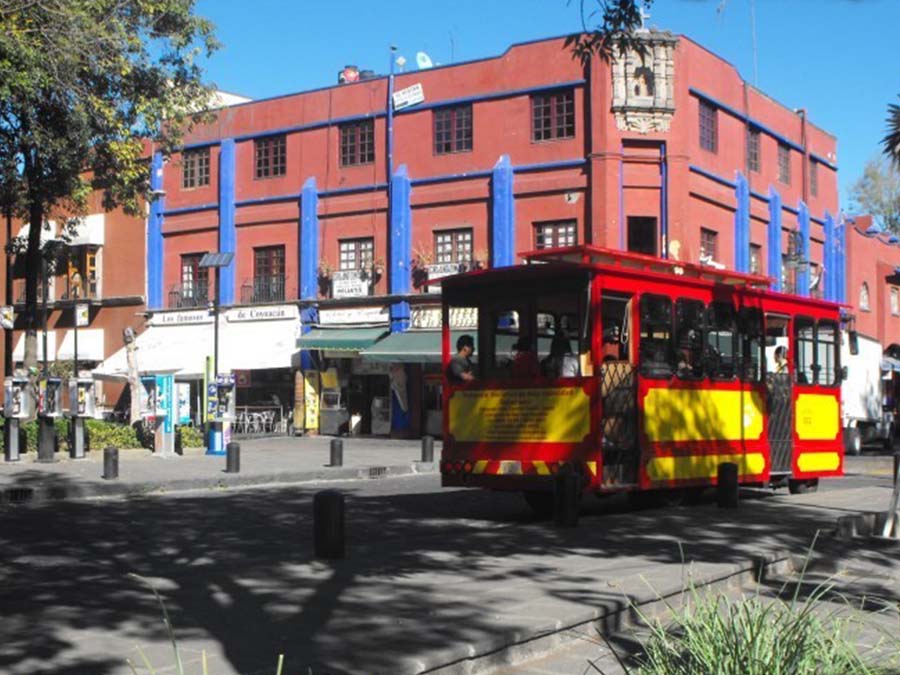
(423, 60)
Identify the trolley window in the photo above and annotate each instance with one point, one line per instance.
(721, 342)
(827, 365)
(750, 341)
(804, 339)
(656, 336)
(689, 338)
(509, 338)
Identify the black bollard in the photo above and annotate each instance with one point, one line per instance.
(427, 449)
(727, 488)
(47, 440)
(233, 457)
(110, 463)
(566, 499)
(328, 524)
(896, 465)
(337, 452)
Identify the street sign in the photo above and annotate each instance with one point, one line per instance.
(82, 315)
(7, 317)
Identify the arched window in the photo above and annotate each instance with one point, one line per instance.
(864, 297)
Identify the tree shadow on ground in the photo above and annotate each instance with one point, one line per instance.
(425, 572)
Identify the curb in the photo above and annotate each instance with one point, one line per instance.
(514, 647)
(28, 494)
(866, 526)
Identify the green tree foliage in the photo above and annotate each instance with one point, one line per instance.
(608, 25)
(877, 192)
(891, 141)
(85, 87)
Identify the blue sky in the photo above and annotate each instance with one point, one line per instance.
(837, 58)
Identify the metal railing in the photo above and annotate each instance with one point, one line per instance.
(263, 289)
(194, 295)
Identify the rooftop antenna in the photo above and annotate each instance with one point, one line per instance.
(452, 48)
(423, 61)
(720, 9)
(644, 15)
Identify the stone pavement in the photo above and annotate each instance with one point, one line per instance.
(263, 461)
(427, 586)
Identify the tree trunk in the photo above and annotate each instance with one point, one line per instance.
(134, 381)
(32, 277)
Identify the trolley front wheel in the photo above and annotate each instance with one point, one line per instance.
(799, 487)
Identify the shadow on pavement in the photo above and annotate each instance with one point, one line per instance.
(425, 572)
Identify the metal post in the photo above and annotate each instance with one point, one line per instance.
(233, 458)
(46, 290)
(427, 449)
(13, 437)
(328, 524)
(566, 499)
(337, 452)
(8, 334)
(727, 485)
(110, 463)
(75, 316)
(216, 327)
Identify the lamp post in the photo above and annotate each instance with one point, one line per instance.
(216, 261)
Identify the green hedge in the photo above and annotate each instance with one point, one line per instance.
(191, 437)
(103, 434)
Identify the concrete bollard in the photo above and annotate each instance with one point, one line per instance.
(427, 449)
(110, 463)
(328, 524)
(233, 457)
(47, 440)
(337, 452)
(727, 487)
(566, 499)
(896, 467)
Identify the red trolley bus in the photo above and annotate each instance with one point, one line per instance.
(639, 374)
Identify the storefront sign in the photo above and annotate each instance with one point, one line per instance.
(275, 313)
(430, 317)
(180, 318)
(439, 271)
(409, 96)
(349, 284)
(82, 314)
(242, 378)
(354, 315)
(360, 367)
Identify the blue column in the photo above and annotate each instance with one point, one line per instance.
(503, 217)
(829, 262)
(400, 246)
(227, 234)
(840, 255)
(308, 261)
(742, 224)
(803, 272)
(774, 239)
(154, 236)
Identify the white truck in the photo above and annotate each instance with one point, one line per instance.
(865, 418)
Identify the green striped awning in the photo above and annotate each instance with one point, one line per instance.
(341, 339)
(414, 346)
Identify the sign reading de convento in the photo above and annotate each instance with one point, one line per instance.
(274, 313)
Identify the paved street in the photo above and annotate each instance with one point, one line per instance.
(432, 576)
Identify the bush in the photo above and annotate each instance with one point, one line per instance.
(104, 434)
(191, 437)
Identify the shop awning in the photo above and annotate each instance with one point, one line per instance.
(888, 363)
(19, 349)
(414, 346)
(341, 339)
(90, 345)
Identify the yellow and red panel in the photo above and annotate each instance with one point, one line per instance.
(694, 414)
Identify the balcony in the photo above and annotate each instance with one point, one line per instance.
(189, 296)
(262, 290)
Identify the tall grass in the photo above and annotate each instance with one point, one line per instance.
(713, 634)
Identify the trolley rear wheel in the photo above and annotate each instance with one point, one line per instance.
(799, 487)
(540, 502)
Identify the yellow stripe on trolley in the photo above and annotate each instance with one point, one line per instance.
(702, 466)
(592, 466)
(818, 461)
(480, 466)
(541, 468)
(509, 466)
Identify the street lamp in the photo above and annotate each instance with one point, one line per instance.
(217, 261)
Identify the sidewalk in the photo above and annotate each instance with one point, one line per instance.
(263, 461)
(454, 581)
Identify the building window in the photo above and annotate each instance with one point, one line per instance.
(356, 254)
(753, 150)
(864, 297)
(708, 245)
(555, 234)
(553, 116)
(453, 246)
(358, 143)
(813, 177)
(642, 235)
(82, 278)
(784, 164)
(895, 301)
(268, 275)
(194, 291)
(195, 168)
(453, 130)
(787, 277)
(271, 156)
(709, 127)
(755, 259)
